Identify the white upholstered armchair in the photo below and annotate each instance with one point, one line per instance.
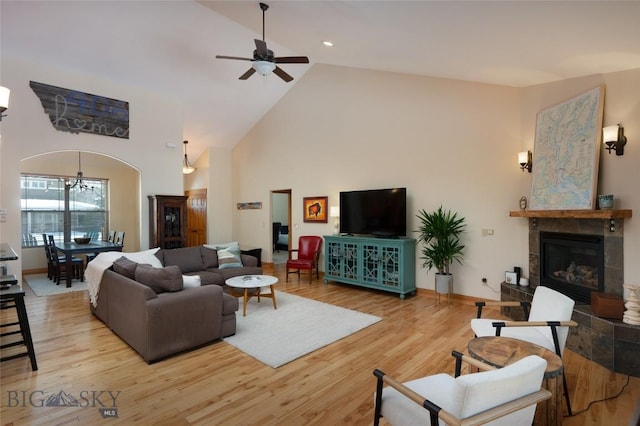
(505, 396)
(547, 324)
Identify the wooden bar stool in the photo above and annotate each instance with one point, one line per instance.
(13, 297)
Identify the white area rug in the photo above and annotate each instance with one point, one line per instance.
(299, 326)
(43, 286)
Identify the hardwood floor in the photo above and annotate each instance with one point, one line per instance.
(219, 385)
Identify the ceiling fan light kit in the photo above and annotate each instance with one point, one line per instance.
(264, 61)
(264, 67)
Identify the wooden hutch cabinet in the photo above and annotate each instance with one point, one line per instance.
(167, 221)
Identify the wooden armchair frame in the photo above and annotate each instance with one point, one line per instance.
(436, 412)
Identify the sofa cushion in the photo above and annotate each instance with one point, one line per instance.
(211, 277)
(188, 259)
(209, 257)
(126, 267)
(160, 280)
(229, 258)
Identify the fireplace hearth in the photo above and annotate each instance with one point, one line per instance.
(572, 264)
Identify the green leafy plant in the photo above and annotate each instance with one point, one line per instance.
(439, 233)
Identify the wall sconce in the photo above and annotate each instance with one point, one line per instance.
(613, 137)
(4, 100)
(334, 212)
(524, 158)
(187, 168)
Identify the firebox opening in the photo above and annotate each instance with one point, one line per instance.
(572, 264)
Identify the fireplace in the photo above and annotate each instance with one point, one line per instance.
(572, 264)
(608, 342)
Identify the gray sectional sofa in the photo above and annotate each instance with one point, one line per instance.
(151, 310)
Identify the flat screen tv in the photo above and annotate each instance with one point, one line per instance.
(378, 212)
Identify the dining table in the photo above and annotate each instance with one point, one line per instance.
(70, 248)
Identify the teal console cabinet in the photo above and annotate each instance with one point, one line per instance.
(382, 263)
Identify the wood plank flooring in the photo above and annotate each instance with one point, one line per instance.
(219, 385)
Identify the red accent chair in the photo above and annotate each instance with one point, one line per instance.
(308, 254)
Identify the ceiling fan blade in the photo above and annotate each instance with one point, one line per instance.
(291, 60)
(233, 57)
(247, 74)
(261, 48)
(283, 75)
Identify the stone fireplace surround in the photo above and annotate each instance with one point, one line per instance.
(611, 343)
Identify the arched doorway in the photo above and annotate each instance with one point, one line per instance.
(123, 199)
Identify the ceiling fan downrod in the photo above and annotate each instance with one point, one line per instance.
(264, 8)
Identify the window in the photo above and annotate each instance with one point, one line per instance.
(43, 208)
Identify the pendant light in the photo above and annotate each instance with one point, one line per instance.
(187, 168)
(79, 178)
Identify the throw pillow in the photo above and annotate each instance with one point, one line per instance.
(190, 281)
(160, 279)
(126, 267)
(147, 256)
(229, 258)
(209, 257)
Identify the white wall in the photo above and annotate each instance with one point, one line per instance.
(27, 131)
(449, 142)
(280, 208)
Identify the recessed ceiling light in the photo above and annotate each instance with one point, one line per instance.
(327, 43)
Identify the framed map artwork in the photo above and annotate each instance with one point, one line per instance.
(567, 152)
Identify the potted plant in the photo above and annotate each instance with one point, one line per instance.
(439, 233)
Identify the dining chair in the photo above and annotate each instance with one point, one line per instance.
(111, 236)
(119, 238)
(60, 267)
(47, 253)
(307, 256)
(548, 318)
(507, 395)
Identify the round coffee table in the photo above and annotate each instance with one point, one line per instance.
(253, 283)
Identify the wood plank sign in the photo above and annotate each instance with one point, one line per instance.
(73, 111)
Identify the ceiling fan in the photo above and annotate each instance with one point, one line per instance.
(264, 62)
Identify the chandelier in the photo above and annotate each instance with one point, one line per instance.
(82, 186)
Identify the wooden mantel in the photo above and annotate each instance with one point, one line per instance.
(573, 214)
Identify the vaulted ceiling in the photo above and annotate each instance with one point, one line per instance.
(170, 46)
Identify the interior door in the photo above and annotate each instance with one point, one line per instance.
(196, 217)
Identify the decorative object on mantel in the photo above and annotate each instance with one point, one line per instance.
(73, 111)
(525, 161)
(613, 137)
(605, 202)
(632, 313)
(4, 100)
(523, 203)
(567, 153)
(187, 168)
